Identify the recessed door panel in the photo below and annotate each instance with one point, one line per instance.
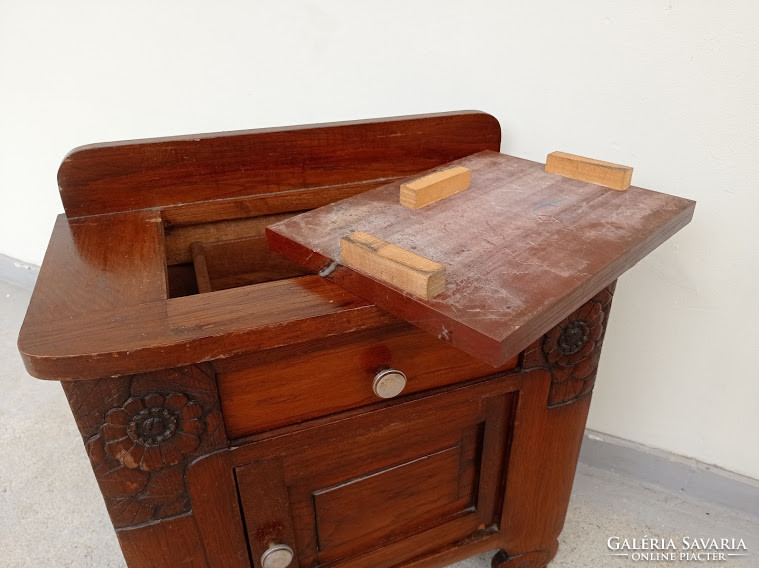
(360, 491)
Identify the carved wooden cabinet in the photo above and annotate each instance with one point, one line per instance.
(227, 399)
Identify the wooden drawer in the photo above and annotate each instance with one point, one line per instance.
(287, 387)
(382, 487)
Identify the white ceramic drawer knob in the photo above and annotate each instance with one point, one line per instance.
(389, 383)
(277, 556)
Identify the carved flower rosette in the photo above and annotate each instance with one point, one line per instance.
(152, 432)
(573, 347)
(142, 432)
(140, 441)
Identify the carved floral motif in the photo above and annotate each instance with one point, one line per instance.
(572, 348)
(152, 432)
(141, 433)
(571, 343)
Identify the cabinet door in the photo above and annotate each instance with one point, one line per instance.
(384, 486)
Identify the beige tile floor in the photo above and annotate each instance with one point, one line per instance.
(51, 513)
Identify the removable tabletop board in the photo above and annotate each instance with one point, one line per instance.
(522, 248)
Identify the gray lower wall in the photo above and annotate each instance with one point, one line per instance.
(18, 272)
(670, 471)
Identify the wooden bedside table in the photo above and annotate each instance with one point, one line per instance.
(238, 411)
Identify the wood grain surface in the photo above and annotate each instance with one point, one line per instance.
(165, 172)
(203, 327)
(287, 386)
(230, 264)
(100, 307)
(97, 264)
(216, 510)
(453, 440)
(522, 248)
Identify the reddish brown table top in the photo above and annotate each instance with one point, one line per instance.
(522, 248)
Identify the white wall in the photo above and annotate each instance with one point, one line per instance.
(671, 88)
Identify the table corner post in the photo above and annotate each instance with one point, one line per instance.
(559, 372)
(141, 433)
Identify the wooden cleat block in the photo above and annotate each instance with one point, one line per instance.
(435, 186)
(602, 173)
(392, 265)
